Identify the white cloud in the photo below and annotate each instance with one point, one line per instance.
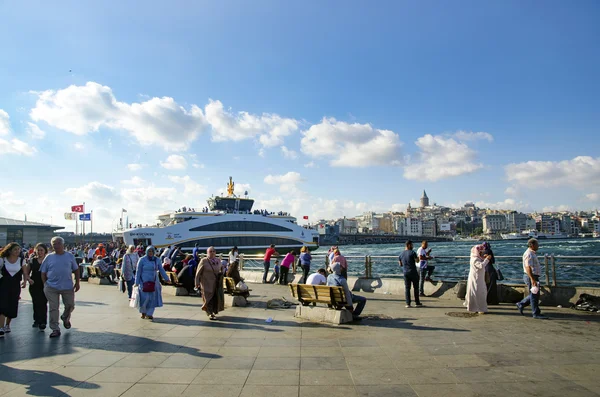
(134, 167)
(261, 152)
(134, 181)
(473, 136)
(4, 123)
(8, 199)
(579, 172)
(351, 145)
(84, 109)
(79, 146)
(16, 146)
(511, 191)
(507, 204)
(35, 131)
(287, 182)
(289, 154)
(191, 188)
(271, 129)
(198, 165)
(310, 164)
(593, 197)
(174, 162)
(440, 157)
(557, 208)
(93, 191)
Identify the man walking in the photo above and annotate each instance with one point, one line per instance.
(57, 269)
(532, 270)
(267, 260)
(425, 270)
(407, 261)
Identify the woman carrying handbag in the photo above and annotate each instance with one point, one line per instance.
(149, 288)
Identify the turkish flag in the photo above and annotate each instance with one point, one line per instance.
(77, 208)
(305, 217)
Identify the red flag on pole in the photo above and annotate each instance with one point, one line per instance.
(77, 208)
(305, 217)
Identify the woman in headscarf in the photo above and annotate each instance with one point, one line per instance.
(476, 289)
(36, 290)
(209, 277)
(186, 275)
(146, 278)
(491, 276)
(130, 261)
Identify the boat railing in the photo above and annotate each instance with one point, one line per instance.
(557, 270)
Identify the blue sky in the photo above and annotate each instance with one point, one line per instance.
(492, 102)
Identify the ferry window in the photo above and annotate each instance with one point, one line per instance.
(237, 226)
(242, 241)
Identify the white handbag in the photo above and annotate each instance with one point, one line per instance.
(241, 286)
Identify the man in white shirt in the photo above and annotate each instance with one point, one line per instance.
(425, 269)
(532, 271)
(318, 278)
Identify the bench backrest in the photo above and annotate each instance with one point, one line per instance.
(229, 285)
(319, 294)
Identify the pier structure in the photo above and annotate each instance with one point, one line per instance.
(437, 350)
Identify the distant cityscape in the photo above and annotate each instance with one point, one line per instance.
(469, 221)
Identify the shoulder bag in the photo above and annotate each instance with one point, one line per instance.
(150, 286)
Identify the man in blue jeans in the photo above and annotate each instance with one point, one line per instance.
(336, 280)
(532, 270)
(408, 263)
(267, 261)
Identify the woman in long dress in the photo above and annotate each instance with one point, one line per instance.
(209, 277)
(147, 268)
(11, 270)
(476, 298)
(491, 276)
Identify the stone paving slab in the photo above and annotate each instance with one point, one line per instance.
(394, 351)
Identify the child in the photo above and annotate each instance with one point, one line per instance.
(275, 277)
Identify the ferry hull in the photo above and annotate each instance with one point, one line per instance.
(252, 234)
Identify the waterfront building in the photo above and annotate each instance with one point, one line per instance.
(413, 227)
(494, 223)
(26, 233)
(516, 222)
(429, 228)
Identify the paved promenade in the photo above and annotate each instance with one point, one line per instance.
(395, 351)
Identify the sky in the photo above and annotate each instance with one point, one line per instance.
(322, 109)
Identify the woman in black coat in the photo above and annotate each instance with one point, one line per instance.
(36, 290)
(491, 277)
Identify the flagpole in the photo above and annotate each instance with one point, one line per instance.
(83, 223)
(91, 223)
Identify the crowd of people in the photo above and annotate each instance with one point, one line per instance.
(54, 272)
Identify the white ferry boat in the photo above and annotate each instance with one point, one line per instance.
(532, 234)
(229, 221)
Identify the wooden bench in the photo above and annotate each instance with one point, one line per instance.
(331, 296)
(334, 297)
(230, 287)
(169, 280)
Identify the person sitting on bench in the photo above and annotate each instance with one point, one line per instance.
(107, 270)
(335, 279)
(234, 272)
(317, 278)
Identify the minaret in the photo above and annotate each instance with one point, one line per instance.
(424, 200)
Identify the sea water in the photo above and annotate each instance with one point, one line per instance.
(578, 271)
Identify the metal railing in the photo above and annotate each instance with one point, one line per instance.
(557, 269)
